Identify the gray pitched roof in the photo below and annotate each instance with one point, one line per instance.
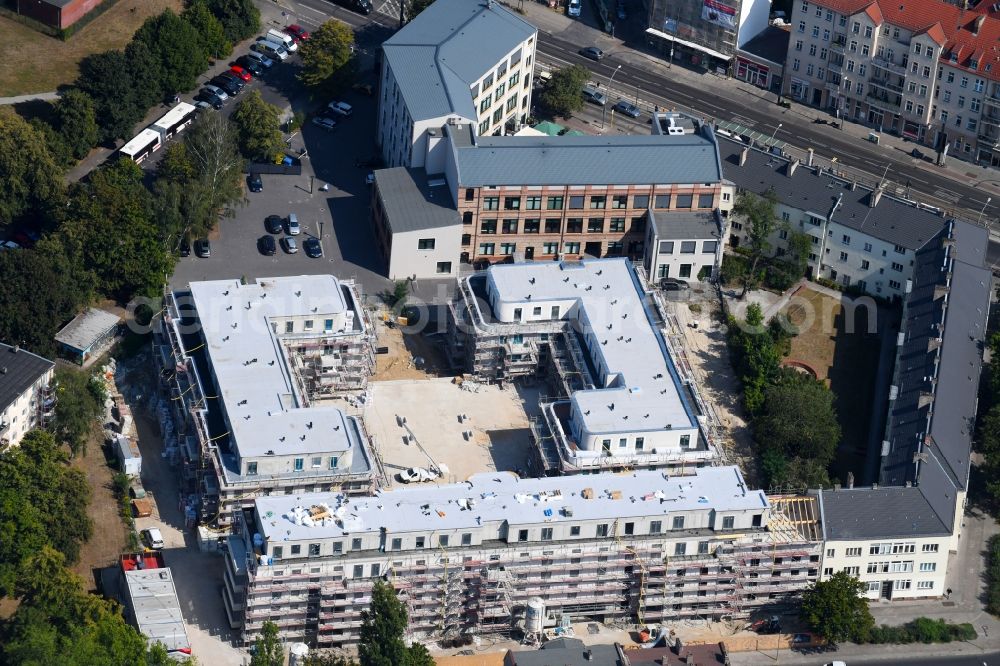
(438, 55)
(18, 371)
(685, 224)
(878, 513)
(588, 160)
(87, 328)
(410, 203)
(938, 366)
(565, 652)
(770, 44)
(891, 220)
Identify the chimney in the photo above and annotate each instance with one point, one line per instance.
(17, 348)
(743, 156)
(792, 166)
(809, 161)
(978, 24)
(874, 197)
(850, 480)
(854, 185)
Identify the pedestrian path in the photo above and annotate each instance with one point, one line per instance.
(20, 99)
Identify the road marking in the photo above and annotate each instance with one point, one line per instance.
(313, 10)
(947, 195)
(740, 120)
(392, 6)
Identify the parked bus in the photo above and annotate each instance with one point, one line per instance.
(146, 142)
(175, 120)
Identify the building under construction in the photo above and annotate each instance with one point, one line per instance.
(593, 332)
(243, 365)
(499, 554)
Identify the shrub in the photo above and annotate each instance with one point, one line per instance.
(734, 266)
(922, 630)
(993, 576)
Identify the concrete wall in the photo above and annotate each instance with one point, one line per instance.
(407, 259)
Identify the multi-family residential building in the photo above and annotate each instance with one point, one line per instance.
(458, 59)
(704, 33)
(26, 398)
(590, 328)
(244, 365)
(926, 70)
(525, 198)
(861, 238)
(481, 555)
(897, 539)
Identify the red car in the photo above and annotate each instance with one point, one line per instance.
(297, 32)
(240, 72)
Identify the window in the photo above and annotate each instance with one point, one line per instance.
(678, 523)
(552, 225)
(533, 203)
(852, 571)
(828, 571)
(598, 201)
(488, 227)
(655, 527)
(812, 49)
(868, 247)
(684, 200)
(251, 469)
(497, 115)
(470, 193)
(314, 549)
(491, 203)
(843, 256)
(443, 267)
(706, 200)
(897, 267)
(420, 542)
(815, 31)
(487, 249)
(709, 247)
(602, 530)
(964, 82)
(641, 201)
(831, 552)
(509, 226)
(925, 585)
(425, 244)
(532, 225)
(662, 201)
(680, 548)
(640, 443)
(688, 247)
(572, 248)
(893, 284)
(685, 439)
(550, 248)
(929, 548)
(299, 464)
(289, 327)
(728, 522)
(512, 203)
(507, 249)
(554, 203)
(901, 584)
(576, 201)
(443, 540)
(574, 225)
(619, 201)
(574, 530)
(928, 567)
(864, 264)
(276, 552)
(522, 535)
(595, 226)
(617, 224)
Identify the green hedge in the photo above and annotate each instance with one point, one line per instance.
(922, 630)
(993, 576)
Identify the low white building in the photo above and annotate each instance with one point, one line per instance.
(25, 396)
(684, 245)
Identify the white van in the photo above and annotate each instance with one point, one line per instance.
(280, 37)
(573, 8)
(271, 49)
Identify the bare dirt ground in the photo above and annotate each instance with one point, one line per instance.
(403, 349)
(35, 63)
(108, 539)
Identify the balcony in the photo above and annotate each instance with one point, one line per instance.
(885, 84)
(884, 100)
(989, 135)
(839, 44)
(889, 66)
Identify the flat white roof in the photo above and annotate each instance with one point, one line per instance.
(157, 610)
(141, 140)
(502, 496)
(174, 115)
(255, 384)
(644, 391)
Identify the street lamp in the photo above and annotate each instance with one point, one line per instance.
(604, 109)
(773, 134)
(988, 200)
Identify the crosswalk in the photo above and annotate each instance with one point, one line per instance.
(389, 8)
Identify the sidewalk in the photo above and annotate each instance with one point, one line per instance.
(20, 99)
(740, 92)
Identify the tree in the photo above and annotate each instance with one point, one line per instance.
(32, 183)
(798, 418)
(258, 128)
(799, 249)
(240, 19)
(835, 609)
(208, 28)
(755, 356)
(77, 121)
(760, 222)
(328, 660)
(55, 143)
(212, 148)
(326, 55)
(79, 401)
(147, 75)
(107, 78)
(178, 47)
(267, 650)
(417, 6)
(382, 628)
(562, 94)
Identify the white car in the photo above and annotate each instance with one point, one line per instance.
(9, 245)
(266, 62)
(217, 91)
(418, 475)
(340, 108)
(153, 538)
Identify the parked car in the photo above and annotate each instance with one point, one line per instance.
(243, 74)
(290, 244)
(621, 11)
(261, 58)
(592, 52)
(359, 6)
(370, 178)
(215, 90)
(266, 245)
(232, 86)
(292, 224)
(255, 67)
(274, 224)
(340, 108)
(627, 108)
(364, 88)
(203, 248)
(254, 182)
(21, 237)
(673, 284)
(297, 32)
(313, 248)
(271, 49)
(594, 96)
(324, 123)
(152, 538)
(418, 475)
(9, 245)
(185, 248)
(210, 99)
(573, 8)
(201, 105)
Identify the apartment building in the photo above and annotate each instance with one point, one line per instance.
(704, 33)
(925, 70)
(244, 365)
(520, 198)
(26, 398)
(861, 238)
(458, 59)
(471, 557)
(593, 332)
